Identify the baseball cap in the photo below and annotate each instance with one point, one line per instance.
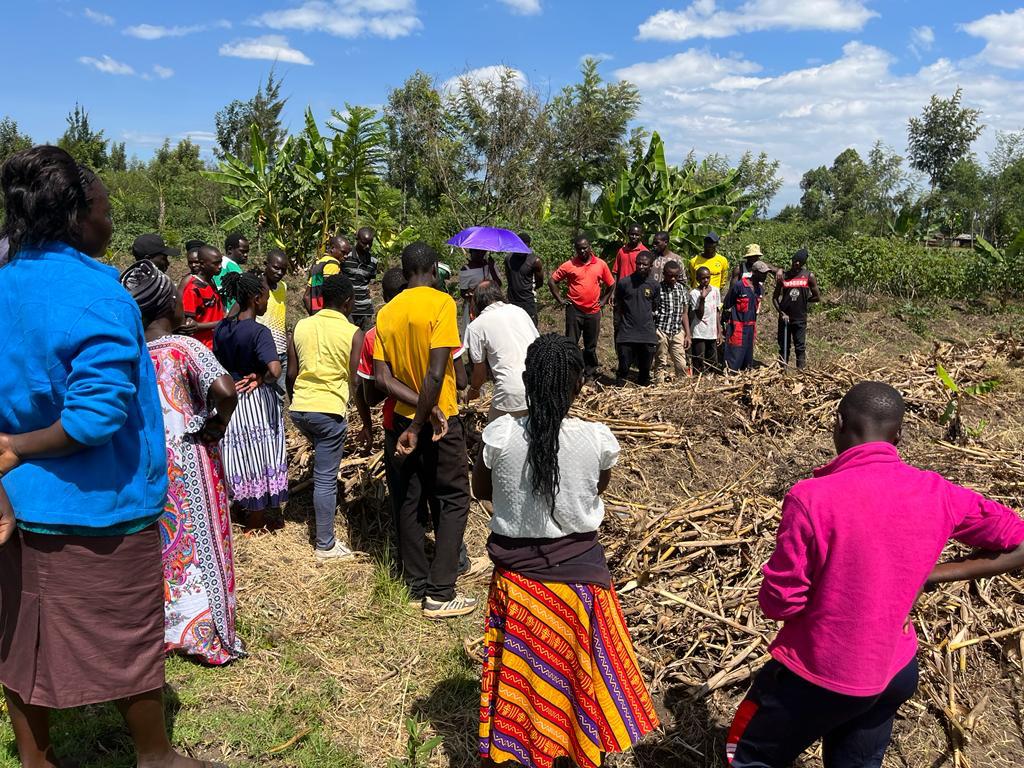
(712, 236)
(150, 245)
(760, 266)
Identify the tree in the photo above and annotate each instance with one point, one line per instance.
(11, 139)
(888, 191)
(941, 136)
(759, 178)
(118, 157)
(263, 110)
(588, 140)
(361, 151)
(81, 142)
(816, 201)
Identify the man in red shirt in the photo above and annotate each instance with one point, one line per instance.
(625, 259)
(589, 283)
(199, 298)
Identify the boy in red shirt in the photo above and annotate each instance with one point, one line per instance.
(856, 544)
(199, 298)
(589, 284)
(625, 259)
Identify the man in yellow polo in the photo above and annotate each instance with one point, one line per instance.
(717, 265)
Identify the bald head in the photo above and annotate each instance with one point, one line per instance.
(487, 292)
(871, 411)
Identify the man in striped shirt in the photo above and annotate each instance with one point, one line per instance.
(361, 269)
(672, 321)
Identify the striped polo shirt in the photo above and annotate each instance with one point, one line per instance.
(360, 271)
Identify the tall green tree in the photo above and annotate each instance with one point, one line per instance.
(759, 178)
(588, 139)
(941, 137)
(361, 154)
(11, 139)
(262, 110)
(87, 146)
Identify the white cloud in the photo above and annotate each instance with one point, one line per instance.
(389, 19)
(523, 7)
(270, 47)
(806, 116)
(102, 19)
(921, 40)
(108, 65)
(162, 72)
(157, 32)
(1003, 34)
(703, 18)
(146, 139)
(491, 74)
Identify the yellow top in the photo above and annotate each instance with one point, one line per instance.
(275, 317)
(408, 327)
(323, 344)
(718, 265)
(331, 266)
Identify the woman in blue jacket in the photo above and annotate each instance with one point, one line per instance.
(82, 462)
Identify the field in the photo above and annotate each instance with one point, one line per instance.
(339, 663)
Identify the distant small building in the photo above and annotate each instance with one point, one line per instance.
(964, 241)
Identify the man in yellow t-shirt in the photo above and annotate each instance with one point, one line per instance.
(276, 316)
(416, 333)
(717, 265)
(338, 249)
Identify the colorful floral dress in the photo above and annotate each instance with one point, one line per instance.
(195, 529)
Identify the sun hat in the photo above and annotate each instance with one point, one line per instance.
(753, 250)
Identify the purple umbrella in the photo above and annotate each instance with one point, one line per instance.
(490, 239)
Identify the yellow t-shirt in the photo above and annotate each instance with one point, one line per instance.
(408, 327)
(323, 344)
(276, 316)
(718, 265)
(331, 267)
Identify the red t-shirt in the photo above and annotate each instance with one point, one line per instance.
(365, 371)
(585, 281)
(625, 260)
(201, 301)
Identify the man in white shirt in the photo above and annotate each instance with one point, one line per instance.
(497, 340)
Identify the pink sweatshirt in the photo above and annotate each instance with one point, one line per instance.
(855, 545)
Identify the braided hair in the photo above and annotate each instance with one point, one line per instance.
(554, 365)
(243, 287)
(152, 290)
(46, 194)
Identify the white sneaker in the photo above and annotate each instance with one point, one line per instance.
(459, 605)
(338, 552)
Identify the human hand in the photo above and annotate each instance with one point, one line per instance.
(705, 291)
(472, 394)
(248, 384)
(364, 438)
(9, 458)
(439, 423)
(213, 430)
(188, 327)
(407, 442)
(784, 316)
(687, 342)
(7, 521)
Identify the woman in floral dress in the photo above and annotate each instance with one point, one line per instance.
(198, 398)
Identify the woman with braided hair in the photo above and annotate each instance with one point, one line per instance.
(253, 444)
(83, 464)
(198, 398)
(560, 677)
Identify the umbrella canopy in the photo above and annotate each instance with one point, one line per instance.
(490, 239)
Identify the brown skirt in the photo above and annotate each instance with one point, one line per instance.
(81, 618)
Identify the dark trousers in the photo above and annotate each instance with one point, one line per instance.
(783, 714)
(579, 323)
(739, 347)
(797, 342)
(529, 307)
(642, 355)
(432, 470)
(704, 355)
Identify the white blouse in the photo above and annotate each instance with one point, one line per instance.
(584, 450)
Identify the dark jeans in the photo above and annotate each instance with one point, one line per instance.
(640, 354)
(579, 323)
(783, 714)
(283, 358)
(327, 432)
(739, 348)
(797, 342)
(432, 470)
(704, 355)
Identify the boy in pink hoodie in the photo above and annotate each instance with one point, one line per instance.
(856, 544)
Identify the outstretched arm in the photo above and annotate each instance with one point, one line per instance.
(980, 565)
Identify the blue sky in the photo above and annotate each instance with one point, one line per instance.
(800, 79)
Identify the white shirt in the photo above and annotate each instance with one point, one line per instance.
(585, 449)
(500, 337)
(705, 327)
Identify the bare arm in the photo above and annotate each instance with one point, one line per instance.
(429, 393)
(553, 287)
(47, 443)
(392, 387)
(603, 479)
(293, 369)
(979, 565)
(538, 275)
(223, 398)
(812, 283)
(461, 377)
(482, 485)
(606, 293)
(307, 300)
(481, 371)
(356, 391)
(777, 296)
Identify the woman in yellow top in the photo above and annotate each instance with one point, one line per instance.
(323, 356)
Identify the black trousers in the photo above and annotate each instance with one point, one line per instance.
(797, 341)
(704, 355)
(783, 714)
(435, 470)
(630, 353)
(579, 323)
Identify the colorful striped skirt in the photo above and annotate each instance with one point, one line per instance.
(253, 451)
(560, 676)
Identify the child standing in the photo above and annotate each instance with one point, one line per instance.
(848, 565)
(706, 303)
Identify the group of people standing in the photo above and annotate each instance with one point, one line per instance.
(134, 416)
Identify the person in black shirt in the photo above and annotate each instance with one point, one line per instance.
(794, 290)
(636, 297)
(525, 275)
